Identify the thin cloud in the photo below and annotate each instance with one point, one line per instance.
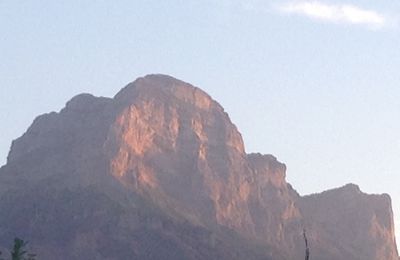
(343, 13)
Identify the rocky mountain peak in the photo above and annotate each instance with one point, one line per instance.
(166, 88)
(161, 166)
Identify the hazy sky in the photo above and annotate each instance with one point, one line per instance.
(316, 83)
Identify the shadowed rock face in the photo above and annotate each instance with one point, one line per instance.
(160, 172)
(345, 220)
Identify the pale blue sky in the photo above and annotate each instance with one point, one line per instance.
(315, 83)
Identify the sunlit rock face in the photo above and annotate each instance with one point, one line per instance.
(173, 138)
(174, 143)
(160, 172)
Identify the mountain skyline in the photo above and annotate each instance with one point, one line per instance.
(306, 82)
(159, 171)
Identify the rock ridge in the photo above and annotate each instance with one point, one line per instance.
(160, 153)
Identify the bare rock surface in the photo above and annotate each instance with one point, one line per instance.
(160, 172)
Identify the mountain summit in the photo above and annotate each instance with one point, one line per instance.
(160, 172)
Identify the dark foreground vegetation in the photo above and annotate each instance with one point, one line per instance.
(19, 251)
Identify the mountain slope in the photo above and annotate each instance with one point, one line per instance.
(160, 172)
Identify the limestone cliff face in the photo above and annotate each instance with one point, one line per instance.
(272, 205)
(172, 139)
(349, 223)
(161, 166)
(174, 143)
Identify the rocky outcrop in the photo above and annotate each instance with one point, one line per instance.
(350, 224)
(160, 172)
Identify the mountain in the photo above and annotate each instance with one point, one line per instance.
(160, 172)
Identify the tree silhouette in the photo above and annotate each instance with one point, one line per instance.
(306, 242)
(18, 252)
